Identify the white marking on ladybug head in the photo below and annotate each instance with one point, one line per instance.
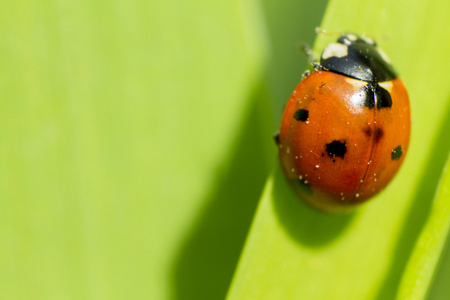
(352, 37)
(335, 50)
(368, 40)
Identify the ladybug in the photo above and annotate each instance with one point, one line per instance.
(346, 127)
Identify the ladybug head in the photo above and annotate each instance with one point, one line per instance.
(357, 57)
(351, 38)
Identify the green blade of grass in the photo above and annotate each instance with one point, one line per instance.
(294, 252)
(424, 260)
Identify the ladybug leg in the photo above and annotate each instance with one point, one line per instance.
(306, 73)
(312, 60)
(276, 137)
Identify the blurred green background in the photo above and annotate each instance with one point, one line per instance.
(136, 139)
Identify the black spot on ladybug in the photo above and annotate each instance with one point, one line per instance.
(378, 133)
(372, 95)
(323, 154)
(397, 153)
(367, 131)
(363, 97)
(276, 137)
(382, 97)
(336, 148)
(301, 115)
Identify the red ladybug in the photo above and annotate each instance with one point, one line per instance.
(345, 129)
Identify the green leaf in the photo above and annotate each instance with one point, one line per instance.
(427, 250)
(295, 252)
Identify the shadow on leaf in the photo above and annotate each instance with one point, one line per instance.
(207, 260)
(306, 225)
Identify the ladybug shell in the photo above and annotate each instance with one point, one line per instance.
(337, 152)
